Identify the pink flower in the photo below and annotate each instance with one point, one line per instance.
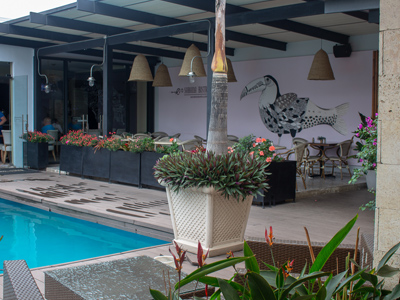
(258, 140)
(261, 153)
(271, 148)
(171, 140)
(360, 126)
(269, 159)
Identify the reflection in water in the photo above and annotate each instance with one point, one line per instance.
(44, 238)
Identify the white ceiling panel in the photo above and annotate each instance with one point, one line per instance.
(94, 35)
(28, 24)
(124, 2)
(166, 9)
(243, 2)
(193, 37)
(110, 21)
(199, 16)
(141, 27)
(155, 45)
(234, 44)
(327, 20)
(72, 14)
(255, 29)
(270, 4)
(63, 30)
(356, 29)
(26, 38)
(288, 37)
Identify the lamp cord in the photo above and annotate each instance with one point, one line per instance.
(102, 63)
(208, 46)
(38, 62)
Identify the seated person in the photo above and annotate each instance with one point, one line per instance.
(57, 126)
(47, 125)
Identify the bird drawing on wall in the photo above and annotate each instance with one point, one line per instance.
(289, 114)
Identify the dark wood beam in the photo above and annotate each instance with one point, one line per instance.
(148, 18)
(208, 5)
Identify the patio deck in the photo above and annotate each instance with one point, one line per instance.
(323, 208)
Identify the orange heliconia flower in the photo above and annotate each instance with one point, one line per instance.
(269, 238)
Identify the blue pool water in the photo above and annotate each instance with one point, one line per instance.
(44, 238)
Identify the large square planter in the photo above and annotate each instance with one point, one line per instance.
(282, 183)
(71, 159)
(148, 160)
(125, 167)
(205, 215)
(96, 162)
(37, 155)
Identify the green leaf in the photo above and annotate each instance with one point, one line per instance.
(333, 283)
(306, 297)
(279, 280)
(157, 295)
(387, 256)
(228, 291)
(348, 279)
(321, 295)
(388, 271)
(207, 269)
(259, 287)
(327, 251)
(301, 280)
(395, 294)
(251, 264)
(370, 277)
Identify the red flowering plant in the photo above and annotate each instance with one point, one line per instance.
(113, 143)
(140, 145)
(37, 137)
(79, 138)
(259, 148)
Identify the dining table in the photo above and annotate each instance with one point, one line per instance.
(322, 147)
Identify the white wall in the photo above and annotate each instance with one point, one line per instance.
(179, 111)
(22, 65)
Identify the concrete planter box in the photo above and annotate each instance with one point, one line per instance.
(71, 159)
(125, 167)
(148, 160)
(96, 163)
(37, 155)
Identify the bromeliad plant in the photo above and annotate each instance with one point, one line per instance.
(235, 175)
(278, 284)
(37, 137)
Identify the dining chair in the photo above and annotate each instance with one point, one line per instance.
(342, 156)
(159, 134)
(298, 152)
(53, 145)
(6, 146)
(308, 159)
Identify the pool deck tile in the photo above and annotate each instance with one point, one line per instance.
(323, 208)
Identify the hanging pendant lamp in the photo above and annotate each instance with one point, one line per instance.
(162, 77)
(321, 67)
(192, 63)
(140, 69)
(231, 73)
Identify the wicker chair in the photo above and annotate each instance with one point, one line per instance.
(18, 282)
(298, 152)
(342, 157)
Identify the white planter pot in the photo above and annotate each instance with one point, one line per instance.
(371, 179)
(205, 215)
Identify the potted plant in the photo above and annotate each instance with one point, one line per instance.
(124, 160)
(71, 152)
(210, 197)
(149, 156)
(282, 173)
(37, 148)
(366, 151)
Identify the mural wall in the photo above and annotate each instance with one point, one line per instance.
(183, 108)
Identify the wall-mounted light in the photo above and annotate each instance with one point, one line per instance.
(47, 88)
(91, 79)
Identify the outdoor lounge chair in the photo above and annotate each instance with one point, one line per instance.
(18, 282)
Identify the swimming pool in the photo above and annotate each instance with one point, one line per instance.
(45, 238)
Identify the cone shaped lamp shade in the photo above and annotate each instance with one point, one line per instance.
(321, 67)
(140, 69)
(197, 66)
(162, 77)
(231, 73)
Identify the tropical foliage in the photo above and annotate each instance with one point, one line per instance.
(260, 148)
(278, 284)
(233, 174)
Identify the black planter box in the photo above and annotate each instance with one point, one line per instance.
(125, 167)
(282, 183)
(96, 163)
(148, 160)
(71, 159)
(37, 155)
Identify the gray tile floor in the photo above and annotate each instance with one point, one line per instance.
(323, 208)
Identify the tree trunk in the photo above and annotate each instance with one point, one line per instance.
(217, 140)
